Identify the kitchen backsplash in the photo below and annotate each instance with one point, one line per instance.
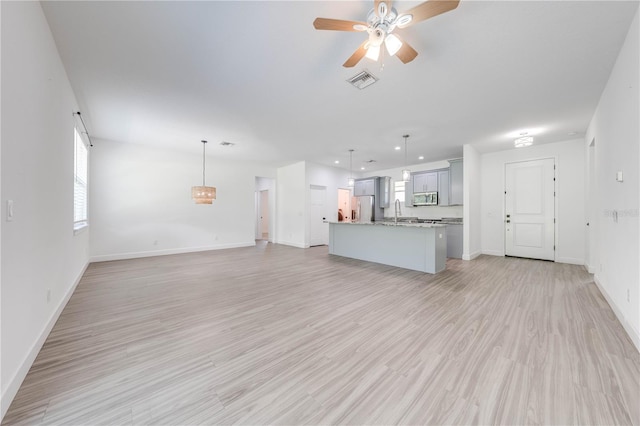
(426, 212)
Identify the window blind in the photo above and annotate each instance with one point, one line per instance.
(80, 187)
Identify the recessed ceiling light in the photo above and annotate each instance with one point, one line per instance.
(398, 148)
(421, 157)
(337, 162)
(361, 168)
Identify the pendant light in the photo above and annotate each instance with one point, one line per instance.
(351, 180)
(406, 173)
(203, 194)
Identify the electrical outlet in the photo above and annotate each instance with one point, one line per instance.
(628, 296)
(48, 295)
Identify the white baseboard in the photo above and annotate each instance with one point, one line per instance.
(16, 381)
(493, 252)
(471, 256)
(634, 335)
(570, 260)
(166, 252)
(288, 243)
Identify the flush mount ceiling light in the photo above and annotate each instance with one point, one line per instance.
(406, 173)
(523, 141)
(351, 181)
(203, 194)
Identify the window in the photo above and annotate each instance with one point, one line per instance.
(80, 188)
(398, 188)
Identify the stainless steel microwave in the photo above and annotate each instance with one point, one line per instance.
(425, 199)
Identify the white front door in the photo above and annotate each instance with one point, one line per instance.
(530, 209)
(318, 230)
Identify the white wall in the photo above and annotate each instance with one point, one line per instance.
(570, 215)
(472, 194)
(291, 205)
(39, 249)
(422, 212)
(144, 207)
(615, 129)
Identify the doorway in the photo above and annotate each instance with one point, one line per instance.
(264, 215)
(344, 204)
(318, 229)
(530, 209)
(591, 248)
(264, 221)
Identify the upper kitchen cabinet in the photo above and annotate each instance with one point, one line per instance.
(425, 182)
(455, 182)
(443, 188)
(364, 187)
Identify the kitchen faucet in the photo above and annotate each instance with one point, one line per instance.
(397, 208)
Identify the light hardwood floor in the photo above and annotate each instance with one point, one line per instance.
(280, 335)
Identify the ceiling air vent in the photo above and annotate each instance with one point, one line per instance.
(225, 143)
(362, 79)
(370, 161)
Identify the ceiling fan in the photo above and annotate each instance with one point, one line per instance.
(382, 20)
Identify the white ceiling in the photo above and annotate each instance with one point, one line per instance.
(259, 75)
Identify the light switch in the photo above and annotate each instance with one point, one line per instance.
(9, 210)
(619, 176)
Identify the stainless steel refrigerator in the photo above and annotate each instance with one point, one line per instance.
(365, 208)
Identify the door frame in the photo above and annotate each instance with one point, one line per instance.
(310, 220)
(556, 167)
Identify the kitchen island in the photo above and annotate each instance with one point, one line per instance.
(417, 246)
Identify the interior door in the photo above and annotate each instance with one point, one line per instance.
(530, 209)
(264, 214)
(318, 230)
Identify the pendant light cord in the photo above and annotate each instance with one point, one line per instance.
(405, 150)
(204, 145)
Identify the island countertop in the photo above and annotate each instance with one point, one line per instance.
(385, 223)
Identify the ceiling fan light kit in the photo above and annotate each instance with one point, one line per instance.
(382, 20)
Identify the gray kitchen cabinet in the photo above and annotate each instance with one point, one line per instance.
(408, 193)
(425, 182)
(364, 187)
(455, 182)
(443, 188)
(454, 241)
(384, 189)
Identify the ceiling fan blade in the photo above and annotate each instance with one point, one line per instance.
(338, 25)
(386, 6)
(406, 53)
(427, 10)
(357, 55)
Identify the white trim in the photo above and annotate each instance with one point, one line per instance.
(298, 245)
(493, 253)
(570, 260)
(471, 256)
(16, 381)
(80, 228)
(166, 252)
(634, 335)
